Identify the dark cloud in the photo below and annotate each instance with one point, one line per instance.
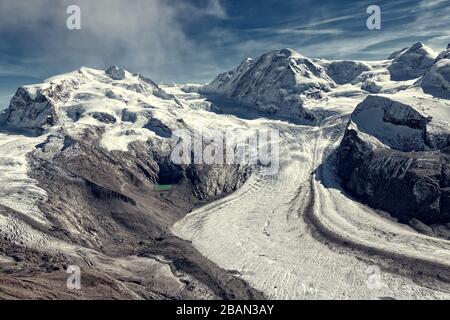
(142, 35)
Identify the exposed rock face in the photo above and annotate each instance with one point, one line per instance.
(397, 53)
(406, 185)
(108, 202)
(115, 73)
(274, 83)
(412, 63)
(34, 111)
(346, 71)
(385, 159)
(444, 54)
(210, 182)
(103, 117)
(159, 128)
(371, 86)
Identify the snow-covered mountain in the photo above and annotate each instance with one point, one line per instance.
(412, 62)
(87, 180)
(394, 152)
(86, 176)
(86, 97)
(444, 54)
(276, 82)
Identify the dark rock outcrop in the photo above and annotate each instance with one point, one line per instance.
(407, 185)
(390, 161)
(115, 73)
(29, 112)
(103, 117)
(346, 71)
(371, 86)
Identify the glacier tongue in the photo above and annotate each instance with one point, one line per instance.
(17, 190)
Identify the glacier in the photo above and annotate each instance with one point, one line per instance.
(362, 185)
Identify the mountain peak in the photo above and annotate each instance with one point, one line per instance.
(412, 63)
(274, 82)
(284, 53)
(115, 73)
(416, 46)
(287, 51)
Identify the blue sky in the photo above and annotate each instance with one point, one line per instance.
(192, 41)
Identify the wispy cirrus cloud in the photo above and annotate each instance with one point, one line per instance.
(342, 34)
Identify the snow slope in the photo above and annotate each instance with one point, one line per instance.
(18, 191)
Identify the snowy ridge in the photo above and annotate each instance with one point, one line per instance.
(125, 103)
(444, 54)
(412, 63)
